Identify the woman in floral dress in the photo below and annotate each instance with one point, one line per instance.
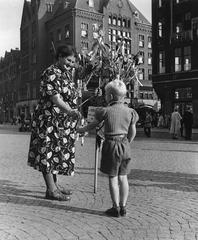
(52, 149)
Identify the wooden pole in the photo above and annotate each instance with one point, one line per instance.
(96, 164)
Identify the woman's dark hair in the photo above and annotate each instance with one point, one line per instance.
(65, 51)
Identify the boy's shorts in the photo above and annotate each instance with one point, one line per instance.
(116, 155)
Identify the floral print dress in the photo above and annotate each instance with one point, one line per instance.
(53, 132)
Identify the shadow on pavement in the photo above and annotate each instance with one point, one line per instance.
(11, 193)
(169, 180)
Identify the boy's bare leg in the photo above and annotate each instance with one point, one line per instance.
(124, 189)
(114, 190)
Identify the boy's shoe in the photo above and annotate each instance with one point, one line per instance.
(122, 211)
(113, 212)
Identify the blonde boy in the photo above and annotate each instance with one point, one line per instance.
(120, 130)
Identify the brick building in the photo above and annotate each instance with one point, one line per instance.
(9, 82)
(47, 24)
(175, 44)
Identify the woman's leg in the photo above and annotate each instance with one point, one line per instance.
(52, 192)
(114, 190)
(60, 188)
(124, 189)
(49, 181)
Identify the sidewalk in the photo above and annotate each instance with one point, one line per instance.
(162, 205)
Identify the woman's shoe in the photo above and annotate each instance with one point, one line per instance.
(64, 191)
(57, 195)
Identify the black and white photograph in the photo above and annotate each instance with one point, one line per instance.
(98, 119)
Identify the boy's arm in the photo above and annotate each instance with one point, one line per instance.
(88, 127)
(132, 132)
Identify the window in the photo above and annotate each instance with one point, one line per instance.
(33, 43)
(195, 28)
(146, 95)
(59, 35)
(124, 23)
(183, 93)
(34, 75)
(141, 74)
(34, 92)
(149, 58)
(49, 7)
(177, 59)
(129, 23)
(149, 42)
(149, 74)
(67, 32)
(34, 58)
(160, 28)
(187, 16)
(110, 20)
(178, 30)
(119, 21)
(85, 45)
(141, 57)
(160, 3)
(84, 30)
(187, 58)
(162, 62)
(141, 40)
(114, 20)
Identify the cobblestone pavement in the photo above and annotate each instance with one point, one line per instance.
(163, 201)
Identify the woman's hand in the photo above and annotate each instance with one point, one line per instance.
(74, 113)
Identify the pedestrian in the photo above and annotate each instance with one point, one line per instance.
(148, 124)
(188, 123)
(119, 130)
(160, 123)
(52, 149)
(175, 123)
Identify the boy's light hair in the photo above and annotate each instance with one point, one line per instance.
(117, 88)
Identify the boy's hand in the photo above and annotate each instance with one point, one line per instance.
(80, 130)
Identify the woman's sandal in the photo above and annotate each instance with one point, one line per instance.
(57, 195)
(64, 191)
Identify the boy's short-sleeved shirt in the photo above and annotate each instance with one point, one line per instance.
(117, 118)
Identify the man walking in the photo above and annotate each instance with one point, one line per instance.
(188, 122)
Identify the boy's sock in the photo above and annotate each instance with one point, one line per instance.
(122, 211)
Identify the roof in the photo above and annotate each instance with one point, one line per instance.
(141, 17)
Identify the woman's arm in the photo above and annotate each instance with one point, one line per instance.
(88, 127)
(64, 106)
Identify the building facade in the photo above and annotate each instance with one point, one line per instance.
(175, 44)
(9, 82)
(45, 25)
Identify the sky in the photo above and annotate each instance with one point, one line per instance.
(10, 20)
